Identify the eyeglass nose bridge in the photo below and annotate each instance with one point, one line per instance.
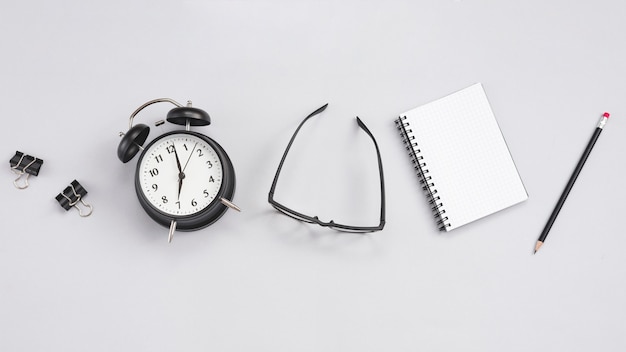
(323, 223)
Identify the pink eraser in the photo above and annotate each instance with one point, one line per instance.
(606, 114)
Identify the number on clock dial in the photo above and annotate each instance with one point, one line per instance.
(159, 174)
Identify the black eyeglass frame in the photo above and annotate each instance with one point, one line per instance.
(314, 219)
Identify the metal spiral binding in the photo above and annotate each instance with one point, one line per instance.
(422, 173)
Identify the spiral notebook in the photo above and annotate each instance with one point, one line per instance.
(461, 157)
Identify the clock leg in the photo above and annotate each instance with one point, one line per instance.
(229, 204)
(172, 230)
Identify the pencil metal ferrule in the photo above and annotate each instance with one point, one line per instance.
(603, 121)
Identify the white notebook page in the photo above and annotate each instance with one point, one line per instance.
(466, 156)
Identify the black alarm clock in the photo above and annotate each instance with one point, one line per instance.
(184, 179)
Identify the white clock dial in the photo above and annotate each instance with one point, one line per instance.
(180, 187)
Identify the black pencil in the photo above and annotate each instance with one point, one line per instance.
(572, 179)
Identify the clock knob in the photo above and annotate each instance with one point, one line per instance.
(132, 141)
(182, 115)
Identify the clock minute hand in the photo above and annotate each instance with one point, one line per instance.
(177, 160)
(181, 174)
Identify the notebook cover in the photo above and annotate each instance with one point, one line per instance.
(465, 154)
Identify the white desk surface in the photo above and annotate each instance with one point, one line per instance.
(73, 71)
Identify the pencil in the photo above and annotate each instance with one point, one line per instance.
(572, 179)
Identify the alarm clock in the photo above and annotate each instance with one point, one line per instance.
(184, 180)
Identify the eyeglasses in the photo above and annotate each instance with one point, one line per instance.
(314, 219)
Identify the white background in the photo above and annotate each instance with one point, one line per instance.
(71, 72)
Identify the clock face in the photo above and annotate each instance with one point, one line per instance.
(180, 174)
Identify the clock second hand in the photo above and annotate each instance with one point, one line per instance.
(190, 154)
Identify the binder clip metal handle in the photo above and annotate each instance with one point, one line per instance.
(16, 182)
(71, 196)
(22, 164)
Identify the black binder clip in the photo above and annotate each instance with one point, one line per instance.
(70, 197)
(23, 164)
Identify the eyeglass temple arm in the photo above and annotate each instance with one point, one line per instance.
(380, 170)
(282, 160)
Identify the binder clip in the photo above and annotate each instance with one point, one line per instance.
(70, 197)
(22, 164)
